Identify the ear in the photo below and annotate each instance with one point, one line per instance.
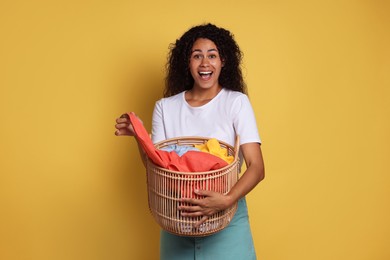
(223, 62)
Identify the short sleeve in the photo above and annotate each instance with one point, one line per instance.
(244, 120)
(158, 129)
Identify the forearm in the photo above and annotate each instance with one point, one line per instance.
(213, 202)
(248, 181)
(252, 176)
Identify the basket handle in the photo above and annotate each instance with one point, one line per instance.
(237, 146)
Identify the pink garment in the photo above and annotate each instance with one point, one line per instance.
(191, 161)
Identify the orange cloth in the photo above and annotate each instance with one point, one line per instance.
(191, 161)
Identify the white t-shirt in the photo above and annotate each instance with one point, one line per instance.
(228, 114)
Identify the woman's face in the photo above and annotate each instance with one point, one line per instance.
(205, 64)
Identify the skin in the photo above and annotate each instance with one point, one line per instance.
(205, 59)
(124, 128)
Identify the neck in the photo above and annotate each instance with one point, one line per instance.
(204, 94)
(198, 97)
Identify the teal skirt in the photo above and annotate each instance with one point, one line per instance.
(234, 242)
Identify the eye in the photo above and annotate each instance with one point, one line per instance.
(196, 56)
(212, 56)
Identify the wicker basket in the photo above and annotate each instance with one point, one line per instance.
(166, 188)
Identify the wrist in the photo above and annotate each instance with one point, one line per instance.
(229, 201)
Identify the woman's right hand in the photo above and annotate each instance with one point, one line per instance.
(123, 126)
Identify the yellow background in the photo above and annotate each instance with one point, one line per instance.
(318, 77)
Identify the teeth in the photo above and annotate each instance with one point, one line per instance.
(204, 72)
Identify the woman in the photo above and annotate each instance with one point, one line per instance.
(205, 96)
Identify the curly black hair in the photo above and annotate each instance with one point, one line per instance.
(178, 77)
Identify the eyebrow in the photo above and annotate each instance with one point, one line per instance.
(199, 50)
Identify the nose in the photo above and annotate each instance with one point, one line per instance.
(205, 62)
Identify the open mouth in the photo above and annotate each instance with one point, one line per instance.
(205, 74)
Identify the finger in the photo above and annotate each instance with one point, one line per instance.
(205, 193)
(191, 201)
(123, 125)
(124, 116)
(124, 131)
(123, 120)
(119, 133)
(189, 208)
(200, 222)
(191, 214)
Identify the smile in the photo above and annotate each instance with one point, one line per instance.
(205, 74)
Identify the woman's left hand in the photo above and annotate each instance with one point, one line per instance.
(212, 203)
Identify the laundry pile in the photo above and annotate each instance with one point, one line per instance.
(200, 158)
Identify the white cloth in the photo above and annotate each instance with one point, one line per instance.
(226, 115)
